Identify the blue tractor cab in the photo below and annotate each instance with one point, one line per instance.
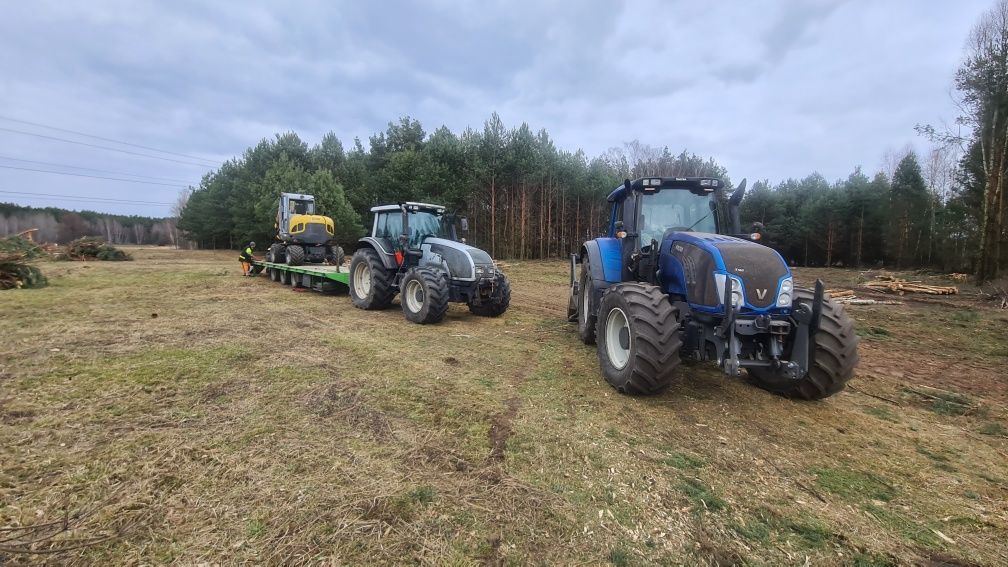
(676, 278)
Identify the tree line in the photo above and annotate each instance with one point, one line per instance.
(527, 199)
(61, 226)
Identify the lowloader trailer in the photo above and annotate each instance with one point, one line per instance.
(319, 277)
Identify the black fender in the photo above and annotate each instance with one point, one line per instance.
(387, 256)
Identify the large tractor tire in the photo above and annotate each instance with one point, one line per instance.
(295, 255)
(498, 303)
(586, 320)
(638, 338)
(370, 281)
(835, 356)
(424, 295)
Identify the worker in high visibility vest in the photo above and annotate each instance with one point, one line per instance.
(246, 258)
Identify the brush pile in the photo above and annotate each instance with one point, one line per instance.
(19, 245)
(886, 282)
(16, 273)
(91, 248)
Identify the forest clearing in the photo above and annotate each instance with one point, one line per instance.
(149, 415)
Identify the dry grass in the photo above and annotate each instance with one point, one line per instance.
(249, 423)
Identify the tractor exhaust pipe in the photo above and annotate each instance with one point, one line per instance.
(734, 203)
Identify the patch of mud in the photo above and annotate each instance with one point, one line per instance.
(500, 429)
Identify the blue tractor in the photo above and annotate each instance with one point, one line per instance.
(675, 280)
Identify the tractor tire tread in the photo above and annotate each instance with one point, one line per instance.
(836, 356)
(654, 328)
(435, 286)
(382, 291)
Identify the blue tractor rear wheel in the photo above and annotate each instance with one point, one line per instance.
(638, 340)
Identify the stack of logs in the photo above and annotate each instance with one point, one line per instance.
(885, 282)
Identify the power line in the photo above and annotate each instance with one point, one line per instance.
(91, 176)
(91, 169)
(85, 199)
(106, 139)
(103, 147)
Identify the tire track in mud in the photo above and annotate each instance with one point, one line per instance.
(501, 424)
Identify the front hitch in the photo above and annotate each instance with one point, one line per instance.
(807, 319)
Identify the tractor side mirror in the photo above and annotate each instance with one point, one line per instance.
(464, 223)
(618, 229)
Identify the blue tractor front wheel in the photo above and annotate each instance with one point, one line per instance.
(637, 338)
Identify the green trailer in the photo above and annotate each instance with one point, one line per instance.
(319, 277)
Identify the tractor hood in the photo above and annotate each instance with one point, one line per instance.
(697, 265)
(462, 261)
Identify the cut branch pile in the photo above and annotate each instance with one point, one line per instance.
(15, 273)
(91, 248)
(24, 246)
(885, 282)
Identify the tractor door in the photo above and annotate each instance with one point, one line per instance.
(626, 213)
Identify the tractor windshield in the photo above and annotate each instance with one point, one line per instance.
(426, 223)
(675, 209)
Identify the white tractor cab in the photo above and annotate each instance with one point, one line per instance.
(302, 236)
(414, 250)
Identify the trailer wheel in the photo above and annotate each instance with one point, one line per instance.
(498, 303)
(586, 320)
(274, 274)
(285, 277)
(638, 338)
(295, 255)
(424, 295)
(370, 282)
(835, 356)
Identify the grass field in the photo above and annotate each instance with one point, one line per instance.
(168, 410)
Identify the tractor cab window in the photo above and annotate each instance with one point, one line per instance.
(674, 209)
(389, 225)
(301, 207)
(425, 223)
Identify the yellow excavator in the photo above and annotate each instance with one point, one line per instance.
(303, 236)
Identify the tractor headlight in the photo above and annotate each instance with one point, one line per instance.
(736, 289)
(784, 297)
(479, 270)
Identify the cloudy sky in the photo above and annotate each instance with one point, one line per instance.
(771, 89)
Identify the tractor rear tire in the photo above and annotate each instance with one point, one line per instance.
(424, 295)
(370, 282)
(586, 320)
(498, 303)
(638, 338)
(835, 356)
(295, 255)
